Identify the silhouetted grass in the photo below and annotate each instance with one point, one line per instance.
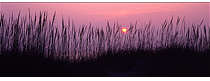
(34, 46)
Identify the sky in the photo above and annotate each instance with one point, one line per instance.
(123, 13)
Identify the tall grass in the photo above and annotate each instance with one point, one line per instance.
(38, 35)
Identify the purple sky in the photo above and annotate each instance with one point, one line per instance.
(124, 13)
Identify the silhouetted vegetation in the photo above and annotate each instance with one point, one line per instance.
(35, 46)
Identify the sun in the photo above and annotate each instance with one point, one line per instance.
(124, 30)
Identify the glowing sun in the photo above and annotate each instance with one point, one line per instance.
(124, 30)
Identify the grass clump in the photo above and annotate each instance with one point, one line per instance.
(52, 49)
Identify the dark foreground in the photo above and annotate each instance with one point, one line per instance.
(171, 62)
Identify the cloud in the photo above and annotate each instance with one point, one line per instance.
(126, 12)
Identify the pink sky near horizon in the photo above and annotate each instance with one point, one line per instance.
(123, 13)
